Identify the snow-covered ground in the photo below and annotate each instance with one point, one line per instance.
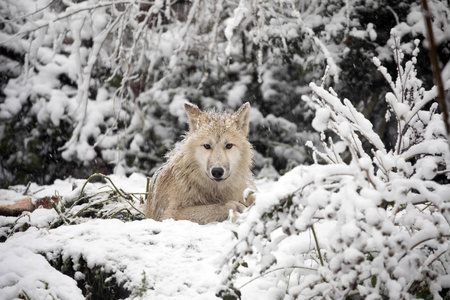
(317, 231)
(152, 260)
(175, 260)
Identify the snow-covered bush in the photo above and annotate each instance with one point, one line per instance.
(87, 199)
(83, 64)
(38, 274)
(372, 222)
(101, 85)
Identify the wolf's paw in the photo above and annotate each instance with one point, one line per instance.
(235, 206)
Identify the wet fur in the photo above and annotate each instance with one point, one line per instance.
(184, 189)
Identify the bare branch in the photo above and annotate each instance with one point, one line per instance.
(436, 68)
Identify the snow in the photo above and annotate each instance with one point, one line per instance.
(236, 95)
(320, 122)
(175, 259)
(382, 215)
(232, 23)
(346, 112)
(129, 249)
(179, 259)
(176, 108)
(25, 273)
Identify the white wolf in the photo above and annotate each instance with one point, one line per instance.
(206, 175)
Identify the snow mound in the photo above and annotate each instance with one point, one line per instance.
(172, 259)
(142, 259)
(25, 273)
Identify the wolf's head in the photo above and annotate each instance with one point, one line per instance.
(218, 141)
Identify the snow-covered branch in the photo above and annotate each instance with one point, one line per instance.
(382, 213)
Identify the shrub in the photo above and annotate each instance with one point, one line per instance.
(372, 221)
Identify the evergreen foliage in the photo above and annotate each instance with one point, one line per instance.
(93, 86)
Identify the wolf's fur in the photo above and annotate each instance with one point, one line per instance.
(189, 186)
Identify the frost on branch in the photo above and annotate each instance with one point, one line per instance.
(93, 85)
(100, 85)
(77, 92)
(371, 222)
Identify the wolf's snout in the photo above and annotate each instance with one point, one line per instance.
(217, 173)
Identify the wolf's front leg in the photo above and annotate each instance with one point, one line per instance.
(209, 213)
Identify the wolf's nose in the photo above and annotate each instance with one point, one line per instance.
(217, 172)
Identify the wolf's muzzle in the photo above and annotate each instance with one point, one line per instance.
(217, 173)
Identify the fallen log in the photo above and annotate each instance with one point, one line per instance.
(26, 204)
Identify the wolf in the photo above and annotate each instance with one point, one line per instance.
(205, 176)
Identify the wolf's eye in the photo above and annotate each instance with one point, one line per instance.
(207, 146)
(229, 146)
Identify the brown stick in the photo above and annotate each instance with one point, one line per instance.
(26, 204)
(436, 68)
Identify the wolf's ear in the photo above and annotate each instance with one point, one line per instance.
(193, 113)
(242, 116)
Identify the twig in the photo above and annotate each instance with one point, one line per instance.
(426, 240)
(30, 14)
(274, 270)
(84, 198)
(85, 78)
(147, 188)
(81, 211)
(120, 192)
(59, 18)
(437, 257)
(436, 68)
(15, 223)
(58, 211)
(317, 245)
(128, 200)
(27, 188)
(120, 210)
(25, 295)
(104, 177)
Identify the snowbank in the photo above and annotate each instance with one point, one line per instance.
(148, 259)
(159, 260)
